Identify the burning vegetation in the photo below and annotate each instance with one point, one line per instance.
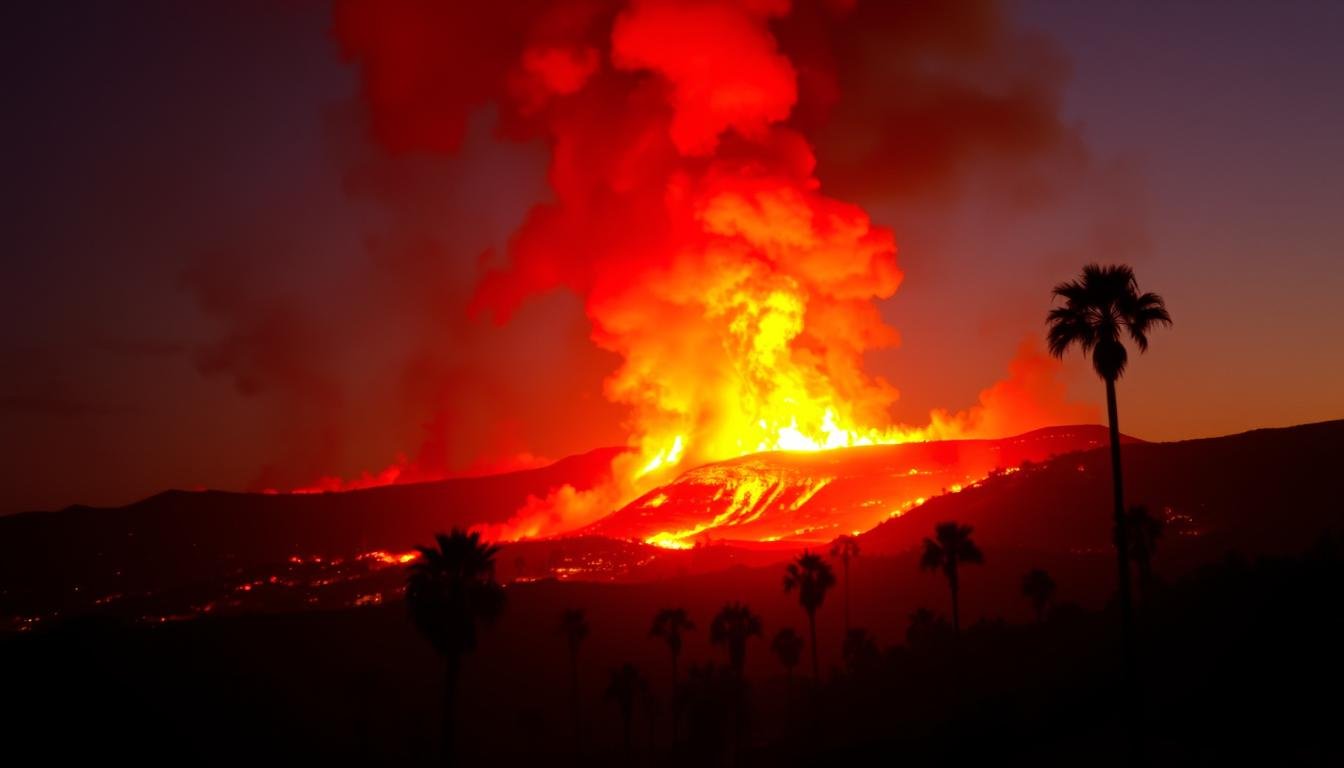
(688, 214)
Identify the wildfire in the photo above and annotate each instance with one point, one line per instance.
(389, 558)
(687, 215)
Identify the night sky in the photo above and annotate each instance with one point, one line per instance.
(215, 278)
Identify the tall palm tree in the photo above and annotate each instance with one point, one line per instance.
(951, 548)
(450, 590)
(1100, 308)
(1144, 531)
(574, 627)
(1040, 589)
(812, 577)
(844, 549)
(626, 684)
(788, 648)
(731, 628)
(668, 624)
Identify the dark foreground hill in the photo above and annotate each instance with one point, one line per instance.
(1265, 491)
(1240, 663)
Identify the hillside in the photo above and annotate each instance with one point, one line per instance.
(811, 497)
(176, 537)
(1259, 492)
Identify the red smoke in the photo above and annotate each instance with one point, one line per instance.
(686, 208)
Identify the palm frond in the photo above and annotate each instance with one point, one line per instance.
(1100, 306)
(932, 559)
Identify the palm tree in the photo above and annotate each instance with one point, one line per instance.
(844, 549)
(788, 648)
(926, 629)
(574, 626)
(951, 548)
(1101, 307)
(860, 651)
(731, 628)
(1144, 531)
(668, 624)
(1040, 589)
(450, 590)
(812, 577)
(626, 683)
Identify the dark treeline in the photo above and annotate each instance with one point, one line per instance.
(1227, 656)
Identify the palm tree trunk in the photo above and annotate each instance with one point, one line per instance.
(1121, 539)
(1145, 583)
(653, 732)
(816, 665)
(451, 670)
(956, 610)
(626, 717)
(1129, 690)
(574, 696)
(846, 597)
(675, 701)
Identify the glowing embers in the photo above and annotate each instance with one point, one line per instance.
(810, 497)
(669, 457)
(387, 558)
(742, 497)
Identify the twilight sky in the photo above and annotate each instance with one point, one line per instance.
(215, 278)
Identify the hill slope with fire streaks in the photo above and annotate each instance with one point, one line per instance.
(812, 497)
(1260, 492)
(175, 538)
(182, 555)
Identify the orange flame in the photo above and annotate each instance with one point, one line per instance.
(688, 216)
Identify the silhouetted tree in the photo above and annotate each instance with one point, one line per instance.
(788, 648)
(626, 683)
(713, 699)
(653, 709)
(731, 628)
(668, 624)
(787, 645)
(860, 651)
(1144, 531)
(1101, 307)
(951, 547)
(1040, 589)
(844, 549)
(812, 577)
(574, 627)
(450, 590)
(926, 629)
